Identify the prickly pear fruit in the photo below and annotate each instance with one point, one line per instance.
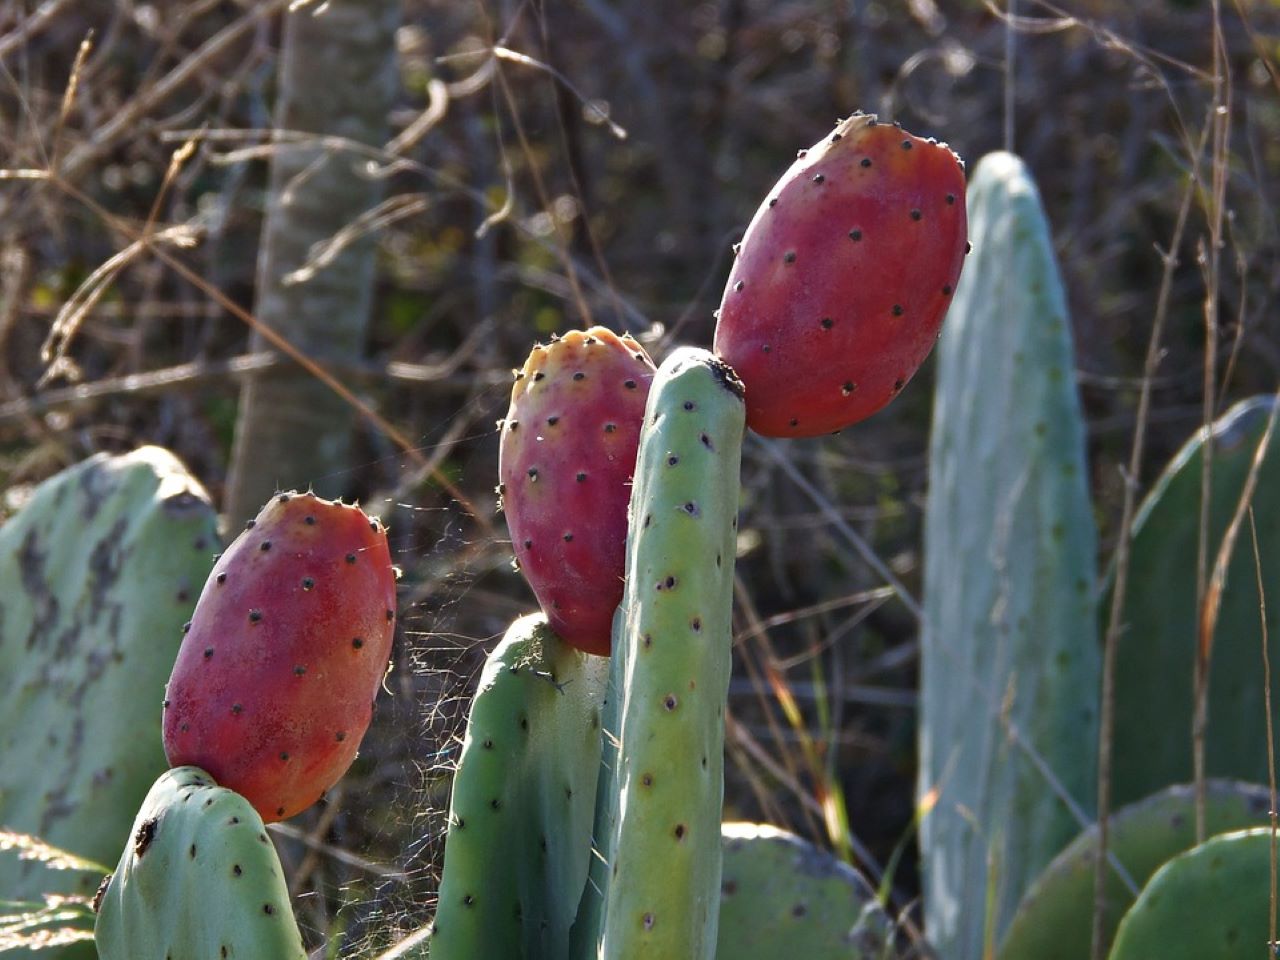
(1210, 903)
(198, 878)
(781, 897)
(843, 277)
(566, 455)
(99, 569)
(274, 684)
(674, 664)
(1055, 919)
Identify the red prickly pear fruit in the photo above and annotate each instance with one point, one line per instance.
(567, 453)
(275, 680)
(843, 277)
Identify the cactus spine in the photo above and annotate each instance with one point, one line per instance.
(1010, 629)
(674, 662)
(198, 878)
(520, 815)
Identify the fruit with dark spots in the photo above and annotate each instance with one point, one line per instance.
(841, 277)
(263, 715)
(566, 479)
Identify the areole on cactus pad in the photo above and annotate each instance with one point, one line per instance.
(843, 277)
(566, 456)
(274, 684)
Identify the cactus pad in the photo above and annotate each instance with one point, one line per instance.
(1156, 651)
(99, 570)
(1210, 903)
(198, 878)
(1010, 632)
(519, 841)
(1055, 919)
(781, 898)
(663, 896)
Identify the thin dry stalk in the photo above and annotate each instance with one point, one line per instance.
(379, 422)
(1111, 641)
(1220, 124)
(126, 119)
(544, 198)
(1010, 84)
(1271, 740)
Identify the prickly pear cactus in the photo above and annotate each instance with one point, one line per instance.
(567, 452)
(1009, 631)
(1156, 651)
(198, 878)
(1055, 919)
(519, 841)
(782, 898)
(98, 572)
(273, 688)
(843, 278)
(588, 924)
(1210, 903)
(663, 895)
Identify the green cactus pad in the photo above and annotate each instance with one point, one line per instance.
(1154, 660)
(1010, 632)
(782, 898)
(98, 572)
(1210, 903)
(1055, 919)
(198, 878)
(588, 925)
(663, 896)
(519, 841)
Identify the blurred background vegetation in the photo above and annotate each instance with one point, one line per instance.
(549, 165)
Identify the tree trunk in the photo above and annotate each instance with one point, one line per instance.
(337, 78)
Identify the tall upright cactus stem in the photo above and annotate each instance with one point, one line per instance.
(1010, 657)
(519, 841)
(664, 884)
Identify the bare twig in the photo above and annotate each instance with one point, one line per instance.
(1119, 589)
(836, 520)
(1273, 814)
(1220, 124)
(200, 374)
(389, 211)
(32, 26)
(125, 120)
(284, 346)
(1010, 75)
